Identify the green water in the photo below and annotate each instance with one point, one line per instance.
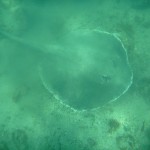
(74, 75)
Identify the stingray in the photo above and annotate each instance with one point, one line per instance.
(84, 69)
(88, 70)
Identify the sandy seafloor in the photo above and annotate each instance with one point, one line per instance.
(30, 119)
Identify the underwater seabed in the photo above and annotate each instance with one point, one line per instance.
(43, 104)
